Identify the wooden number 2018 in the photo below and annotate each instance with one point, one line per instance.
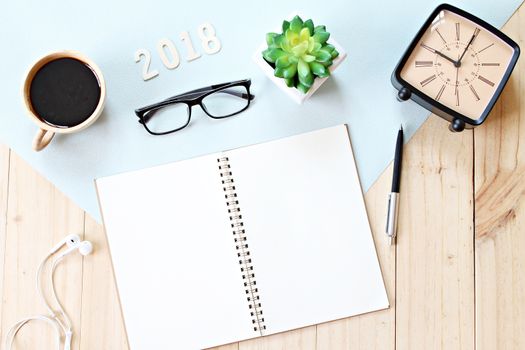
(170, 56)
(209, 40)
(169, 62)
(146, 73)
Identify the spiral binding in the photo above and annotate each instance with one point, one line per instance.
(241, 245)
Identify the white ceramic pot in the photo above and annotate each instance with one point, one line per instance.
(295, 94)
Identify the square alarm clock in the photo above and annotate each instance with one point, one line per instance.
(456, 67)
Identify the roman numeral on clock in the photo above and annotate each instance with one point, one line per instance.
(427, 47)
(474, 92)
(485, 80)
(475, 35)
(441, 36)
(428, 80)
(486, 47)
(424, 63)
(456, 92)
(438, 96)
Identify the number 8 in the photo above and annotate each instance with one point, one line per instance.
(206, 33)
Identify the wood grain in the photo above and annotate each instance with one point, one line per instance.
(38, 217)
(375, 330)
(233, 346)
(299, 339)
(455, 280)
(500, 213)
(102, 322)
(4, 182)
(435, 262)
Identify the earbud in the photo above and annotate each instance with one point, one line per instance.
(70, 241)
(62, 325)
(84, 248)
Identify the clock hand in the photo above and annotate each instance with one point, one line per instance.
(468, 45)
(440, 54)
(457, 82)
(456, 64)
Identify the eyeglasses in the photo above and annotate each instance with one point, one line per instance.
(217, 101)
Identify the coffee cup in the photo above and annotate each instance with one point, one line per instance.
(64, 92)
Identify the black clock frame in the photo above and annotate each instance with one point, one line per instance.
(407, 91)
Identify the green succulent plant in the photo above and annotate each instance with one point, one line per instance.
(300, 53)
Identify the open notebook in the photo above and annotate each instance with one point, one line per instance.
(243, 243)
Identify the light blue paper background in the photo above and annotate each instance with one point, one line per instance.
(374, 33)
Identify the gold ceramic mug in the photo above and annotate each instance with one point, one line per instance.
(46, 130)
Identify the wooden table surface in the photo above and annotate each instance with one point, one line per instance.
(455, 280)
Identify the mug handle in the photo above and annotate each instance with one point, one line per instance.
(42, 139)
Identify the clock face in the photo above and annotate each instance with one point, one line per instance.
(458, 63)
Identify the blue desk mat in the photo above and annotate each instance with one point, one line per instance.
(374, 33)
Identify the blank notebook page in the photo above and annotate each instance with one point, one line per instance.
(307, 229)
(176, 269)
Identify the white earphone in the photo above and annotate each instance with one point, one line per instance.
(60, 321)
(73, 243)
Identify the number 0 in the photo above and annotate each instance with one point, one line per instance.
(161, 48)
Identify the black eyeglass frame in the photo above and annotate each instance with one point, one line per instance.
(193, 98)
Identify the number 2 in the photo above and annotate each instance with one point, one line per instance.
(146, 73)
(169, 55)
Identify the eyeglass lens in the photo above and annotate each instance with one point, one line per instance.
(220, 104)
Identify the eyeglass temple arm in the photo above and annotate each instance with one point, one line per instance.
(205, 89)
(146, 117)
(214, 87)
(211, 88)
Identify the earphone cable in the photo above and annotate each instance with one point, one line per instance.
(61, 327)
(39, 285)
(46, 302)
(10, 337)
(67, 326)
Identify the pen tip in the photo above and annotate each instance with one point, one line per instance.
(401, 127)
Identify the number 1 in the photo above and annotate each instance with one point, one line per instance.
(192, 54)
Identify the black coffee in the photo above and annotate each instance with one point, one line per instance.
(64, 92)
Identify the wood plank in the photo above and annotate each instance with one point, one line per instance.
(4, 182)
(374, 330)
(500, 213)
(233, 346)
(102, 321)
(435, 283)
(299, 339)
(370, 331)
(38, 216)
(435, 262)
